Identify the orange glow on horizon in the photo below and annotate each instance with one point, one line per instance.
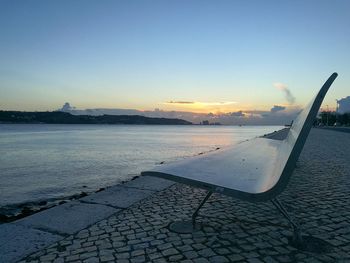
(217, 107)
(202, 107)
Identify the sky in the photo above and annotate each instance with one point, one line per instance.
(219, 57)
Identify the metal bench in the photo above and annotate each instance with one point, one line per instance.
(255, 170)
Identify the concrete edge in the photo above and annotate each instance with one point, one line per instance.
(31, 234)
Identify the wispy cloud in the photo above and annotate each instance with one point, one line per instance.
(289, 96)
(180, 102)
(223, 103)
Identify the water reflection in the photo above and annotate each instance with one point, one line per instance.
(50, 161)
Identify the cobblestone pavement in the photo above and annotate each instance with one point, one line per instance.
(232, 230)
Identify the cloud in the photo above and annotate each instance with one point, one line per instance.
(277, 108)
(246, 117)
(344, 105)
(289, 96)
(67, 107)
(179, 102)
(223, 103)
(97, 112)
(237, 114)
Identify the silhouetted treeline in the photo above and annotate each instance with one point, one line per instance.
(58, 117)
(330, 118)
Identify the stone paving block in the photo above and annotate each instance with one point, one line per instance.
(118, 196)
(68, 218)
(149, 183)
(17, 242)
(218, 259)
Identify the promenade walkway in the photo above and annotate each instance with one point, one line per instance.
(318, 196)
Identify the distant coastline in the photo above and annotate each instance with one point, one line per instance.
(58, 117)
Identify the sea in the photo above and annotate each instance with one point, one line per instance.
(47, 162)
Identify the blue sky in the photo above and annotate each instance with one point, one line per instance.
(223, 55)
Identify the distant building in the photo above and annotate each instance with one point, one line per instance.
(343, 105)
(205, 122)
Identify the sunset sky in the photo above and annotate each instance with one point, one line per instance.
(198, 56)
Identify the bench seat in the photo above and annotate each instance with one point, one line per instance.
(248, 167)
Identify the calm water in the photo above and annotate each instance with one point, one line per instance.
(39, 162)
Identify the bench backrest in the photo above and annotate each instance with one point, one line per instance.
(254, 170)
(292, 146)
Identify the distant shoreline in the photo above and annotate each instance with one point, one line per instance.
(59, 117)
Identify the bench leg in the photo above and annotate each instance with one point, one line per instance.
(297, 237)
(188, 226)
(195, 214)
